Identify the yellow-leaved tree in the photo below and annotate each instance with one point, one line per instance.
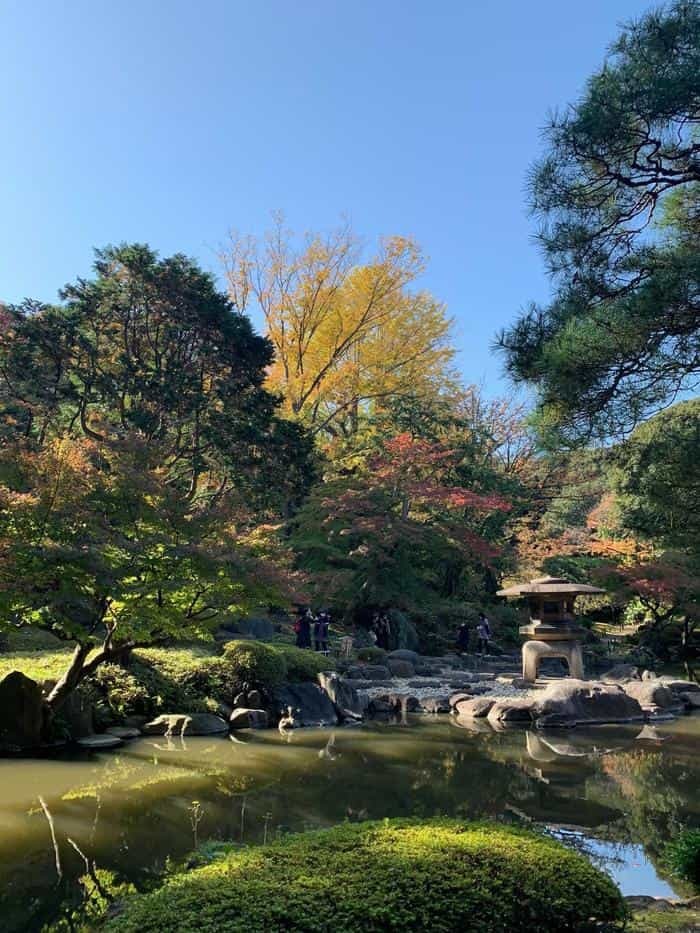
(348, 334)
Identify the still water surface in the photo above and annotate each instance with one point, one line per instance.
(617, 793)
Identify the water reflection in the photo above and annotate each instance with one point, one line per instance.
(131, 810)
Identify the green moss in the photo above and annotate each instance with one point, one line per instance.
(254, 663)
(303, 664)
(437, 875)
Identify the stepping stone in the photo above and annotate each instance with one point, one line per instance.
(123, 732)
(99, 741)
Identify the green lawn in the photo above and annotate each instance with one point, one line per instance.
(39, 665)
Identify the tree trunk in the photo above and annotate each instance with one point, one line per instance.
(70, 680)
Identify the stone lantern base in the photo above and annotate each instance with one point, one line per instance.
(568, 649)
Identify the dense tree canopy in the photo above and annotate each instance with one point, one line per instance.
(401, 532)
(656, 476)
(618, 193)
(138, 445)
(348, 335)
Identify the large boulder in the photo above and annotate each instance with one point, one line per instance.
(21, 712)
(511, 710)
(349, 704)
(369, 672)
(312, 706)
(380, 708)
(437, 704)
(475, 708)
(401, 668)
(570, 702)
(456, 698)
(77, 713)
(620, 674)
(423, 669)
(404, 654)
(680, 686)
(653, 696)
(185, 724)
(243, 718)
(399, 703)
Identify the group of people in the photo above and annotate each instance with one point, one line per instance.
(312, 631)
(483, 635)
(309, 625)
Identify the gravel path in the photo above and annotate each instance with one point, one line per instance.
(446, 687)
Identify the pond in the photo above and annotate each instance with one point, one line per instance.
(616, 793)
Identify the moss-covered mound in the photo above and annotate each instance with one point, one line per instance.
(436, 875)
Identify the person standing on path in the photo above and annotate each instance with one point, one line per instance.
(321, 626)
(463, 638)
(303, 629)
(483, 631)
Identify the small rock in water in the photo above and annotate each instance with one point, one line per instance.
(99, 741)
(474, 708)
(123, 732)
(243, 718)
(185, 724)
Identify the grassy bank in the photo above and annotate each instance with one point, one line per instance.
(187, 678)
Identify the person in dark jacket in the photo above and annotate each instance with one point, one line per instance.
(302, 628)
(463, 634)
(483, 630)
(321, 626)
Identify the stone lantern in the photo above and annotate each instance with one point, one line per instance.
(552, 631)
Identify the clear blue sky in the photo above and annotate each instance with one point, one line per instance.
(171, 122)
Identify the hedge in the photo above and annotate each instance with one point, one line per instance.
(254, 663)
(302, 664)
(438, 875)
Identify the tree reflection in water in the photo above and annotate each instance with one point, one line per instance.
(629, 785)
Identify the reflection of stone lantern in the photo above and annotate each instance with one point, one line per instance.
(552, 631)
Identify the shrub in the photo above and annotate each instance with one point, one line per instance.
(122, 692)
(303, 664)
(682, 855)
(175, 678)
(438, 875)
(403, 631)
(254, 663)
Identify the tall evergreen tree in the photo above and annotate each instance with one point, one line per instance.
(618, 194)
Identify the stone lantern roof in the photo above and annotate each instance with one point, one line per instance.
(549, 586)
